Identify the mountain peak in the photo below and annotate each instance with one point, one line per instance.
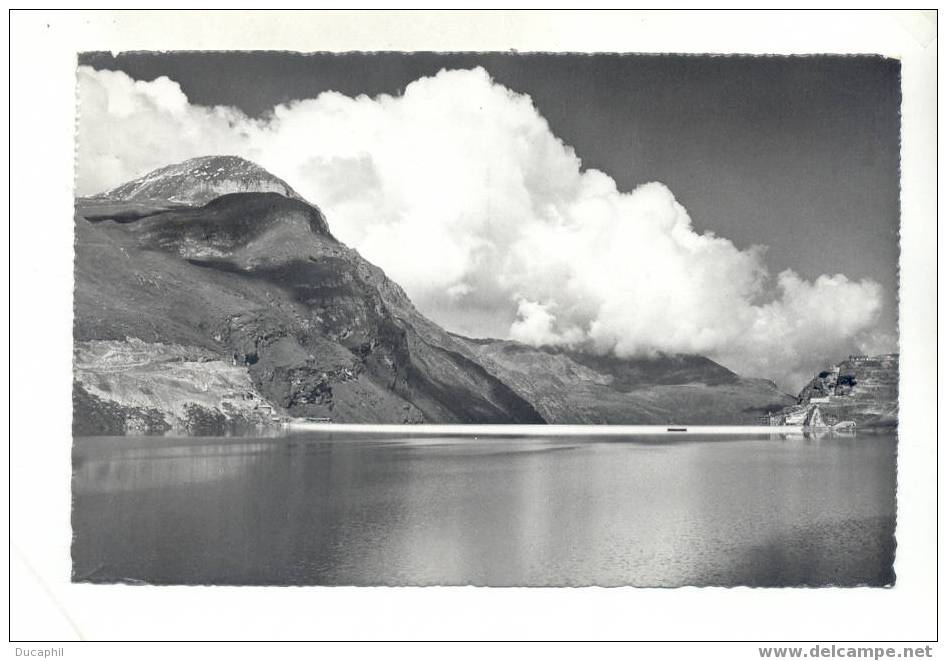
(199, 180)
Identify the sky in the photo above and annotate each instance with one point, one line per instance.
(756, 196)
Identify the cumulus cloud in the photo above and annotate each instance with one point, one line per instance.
(127, 128)
(461, 192)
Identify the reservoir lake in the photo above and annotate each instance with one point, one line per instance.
(319, 508)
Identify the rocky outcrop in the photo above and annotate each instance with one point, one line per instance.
(863, 389)
(94, 416)
(130, 386)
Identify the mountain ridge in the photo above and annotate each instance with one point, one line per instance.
(258, 280)
(252, 287)
(574, 387)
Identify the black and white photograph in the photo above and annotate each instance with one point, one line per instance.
(487, 317)
(276, 249)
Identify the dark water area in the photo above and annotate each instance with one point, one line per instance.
(323, 509)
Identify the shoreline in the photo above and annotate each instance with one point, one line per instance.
(549, 430)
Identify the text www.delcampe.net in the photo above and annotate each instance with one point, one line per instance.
(846, 652)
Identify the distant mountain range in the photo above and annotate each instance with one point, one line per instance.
(210, 296)
(575, 387)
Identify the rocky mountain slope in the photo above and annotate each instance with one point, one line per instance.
(581, 388)
(255, 281)
(863, 389)
(130, 385)
(204, 313)
(199, 180)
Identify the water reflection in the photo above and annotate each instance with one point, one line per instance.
(308, 509)
(136, 468)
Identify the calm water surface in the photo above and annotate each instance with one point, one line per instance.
(313, 509)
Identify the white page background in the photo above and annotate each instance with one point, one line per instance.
(46, 606)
